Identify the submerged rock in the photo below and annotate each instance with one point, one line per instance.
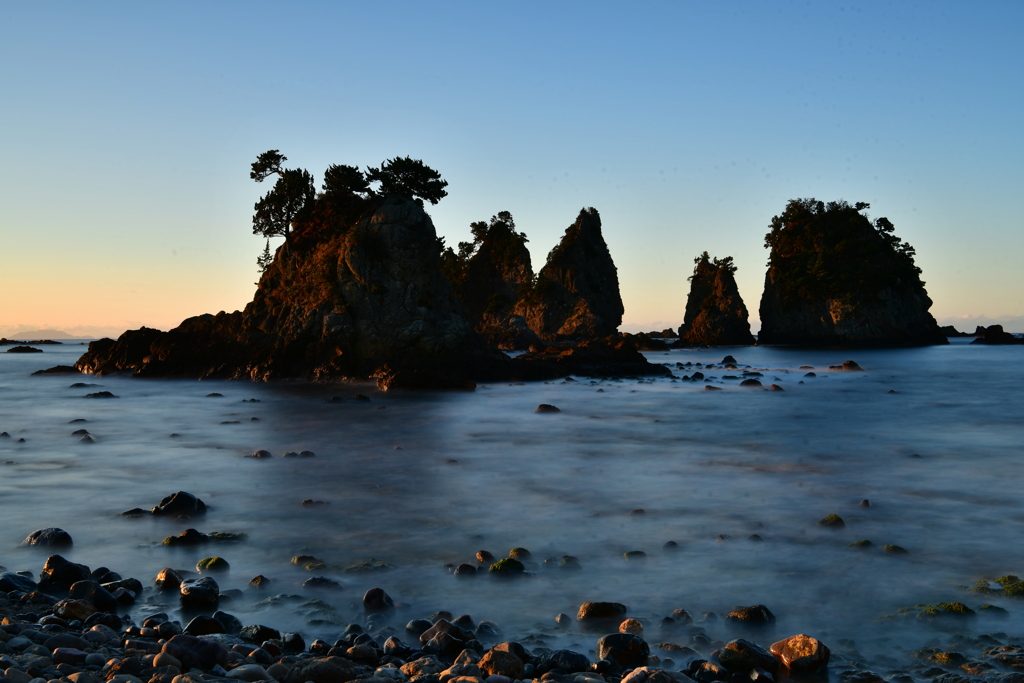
(51, 537)
(801, 654)
(835, 279)
(715, 313)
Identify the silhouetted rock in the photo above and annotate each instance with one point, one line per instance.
(994, 334)
(614, 355)
(489, 276)
(951, 331)
(835, 279)
(366, 300)
(23, 349)
(715, 314)
(576, 295)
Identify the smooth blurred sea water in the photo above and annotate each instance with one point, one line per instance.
(420, 480)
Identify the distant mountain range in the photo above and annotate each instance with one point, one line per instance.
(43, 334)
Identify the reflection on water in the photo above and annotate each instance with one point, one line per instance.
(421, 480)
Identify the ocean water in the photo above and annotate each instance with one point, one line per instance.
(420, 480)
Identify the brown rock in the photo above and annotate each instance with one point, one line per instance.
(599, 617)
(498, 662)
(743, 656)
(715, 313)
(801, 654)
(70, 610)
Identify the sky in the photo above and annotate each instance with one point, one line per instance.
(127, 131)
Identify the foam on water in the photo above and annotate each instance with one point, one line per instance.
(434, 477)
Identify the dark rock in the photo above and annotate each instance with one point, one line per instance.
(9, 581)
(743, 656)
(199, 594)
(323, 670)
(195, 652)
(167, 580)
(59, 573)
(576, 295)
(615, 355)
(547, 408)
(204, 626)
(257, 633)
(994, 334)
(57, 370)
(567, 660)
(23, 349)
(751, 383)
(321, 582)
(465, 570)
(94, 593)
(624, 649)
(180, 503)
(834, 279)
(376, 601)
(101, 394)
(489, 276)
(715, 313)
(832, 521)
(757, 615)
(598, 617)
(49, 538)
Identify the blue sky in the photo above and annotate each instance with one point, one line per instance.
(127, 132)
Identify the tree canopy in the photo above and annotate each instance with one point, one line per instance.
(830, 249)
(294, 206)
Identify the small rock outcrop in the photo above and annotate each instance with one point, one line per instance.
(715, 314)
(994, 334)
(576, 295)
(836, 279)
(362, 300)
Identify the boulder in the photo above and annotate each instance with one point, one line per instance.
(754, 616)
(994, 334)
(376, 601)
(93, 592)
(59, 574)
(715, 313)
(51, 537)
(324, 670)
(497, 662)
(193, 652)
(600, 617)
(743, 656)
(200, 594)
(180, 503)
(613, 355)
(624, 649)
(801, 654)
(836, 279)
(9, 581)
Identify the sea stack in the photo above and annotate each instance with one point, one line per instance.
(715, 313)
(363, 299)
(490, 275)
(576, 295)
(836, 279)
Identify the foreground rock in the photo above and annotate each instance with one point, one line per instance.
(49, 538)
(365, 300)
(835, 279)
(715, 313)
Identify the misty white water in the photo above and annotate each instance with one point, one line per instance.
(419, 480)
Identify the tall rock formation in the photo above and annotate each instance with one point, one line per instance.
(576, 295)
(366, 301)
(836, 279)
(490, 275)
(715, 314)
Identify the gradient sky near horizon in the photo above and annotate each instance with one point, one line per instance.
(127, 131)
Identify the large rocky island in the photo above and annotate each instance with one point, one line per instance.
(358, 291)
(837, 279)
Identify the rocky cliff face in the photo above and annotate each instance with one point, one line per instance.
(490, 275)
(835, 279)
(368, 302)
(715, 314)
(576, 295)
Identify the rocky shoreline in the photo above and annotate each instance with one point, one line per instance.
(90, 625)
